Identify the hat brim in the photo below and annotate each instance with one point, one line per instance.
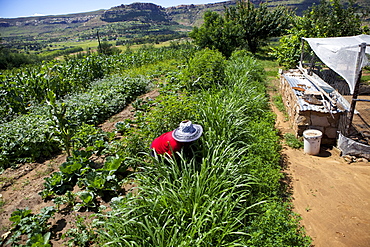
(181, 137)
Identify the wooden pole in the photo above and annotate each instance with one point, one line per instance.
(99, 48)
(360, 57)
(302, 50)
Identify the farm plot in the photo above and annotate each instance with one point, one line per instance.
(226, 191)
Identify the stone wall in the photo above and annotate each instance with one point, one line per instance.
(301, 120)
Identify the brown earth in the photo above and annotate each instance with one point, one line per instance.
(331, 195)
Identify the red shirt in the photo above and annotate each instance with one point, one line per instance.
(166, 144)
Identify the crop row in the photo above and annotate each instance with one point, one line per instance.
(36, 134)
(225, 191)
(21, 89)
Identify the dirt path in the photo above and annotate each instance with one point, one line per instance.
(331, 195)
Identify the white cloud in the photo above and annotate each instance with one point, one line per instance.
(37, 14)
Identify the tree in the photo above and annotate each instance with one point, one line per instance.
(108, 49)
(243, 26)
(328, 19)
(332, 19)
(10, 59)
(215, 33)
(256, 25)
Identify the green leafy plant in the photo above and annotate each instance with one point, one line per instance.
(55, 184)
(124, 126)
(105, 181)
(142, 104)
(87, 200)
(33, 226)
(204, 70)
(63, 126)
(69, 198)
(80, 170)
(81, 235)
(292, 141)
(26, 139)
(59, 182)
(278, 101)
(277, 226)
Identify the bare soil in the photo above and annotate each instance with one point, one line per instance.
(331, 195)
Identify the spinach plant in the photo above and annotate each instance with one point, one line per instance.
(34, 227)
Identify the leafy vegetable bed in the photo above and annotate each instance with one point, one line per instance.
(41, 130)
(21, 89)
(35, 135)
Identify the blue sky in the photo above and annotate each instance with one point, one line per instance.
(21, 8)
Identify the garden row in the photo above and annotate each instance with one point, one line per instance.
(23, 88)
(225, 191)
(47, 128)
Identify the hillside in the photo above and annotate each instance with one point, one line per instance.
(125, 24)
(119, 21)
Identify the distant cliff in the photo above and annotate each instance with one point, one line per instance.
(145, 12)
(50, 20)
(192, 15)
(149, 12)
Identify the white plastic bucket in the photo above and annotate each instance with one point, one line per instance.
(312, 141)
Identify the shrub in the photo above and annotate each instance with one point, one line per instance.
(276, 225)
(204, 70)
(30, 228)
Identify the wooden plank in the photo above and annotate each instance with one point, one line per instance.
(313, 81)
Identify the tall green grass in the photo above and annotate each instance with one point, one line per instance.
(218, 195)
(183, 204)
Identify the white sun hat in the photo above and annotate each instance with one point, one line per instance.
(187, 132)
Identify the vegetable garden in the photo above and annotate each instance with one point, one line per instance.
(226, 191)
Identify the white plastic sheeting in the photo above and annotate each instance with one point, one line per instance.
(341, 54)
(353, 148)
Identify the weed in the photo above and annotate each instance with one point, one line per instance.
(81, 235)
(5, 180)
(25, 183)
(292, 141)
(2, 202)
(278, 101)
